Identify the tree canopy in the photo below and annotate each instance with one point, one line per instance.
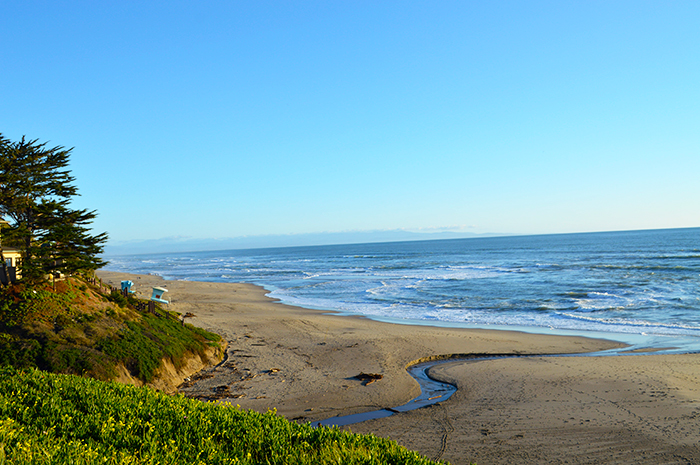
(36, 189)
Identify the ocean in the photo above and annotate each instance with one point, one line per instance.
(639, 287)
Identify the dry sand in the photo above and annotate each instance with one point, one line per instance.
(631, 409)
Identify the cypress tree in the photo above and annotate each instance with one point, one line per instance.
(35, 193)
(4, 143)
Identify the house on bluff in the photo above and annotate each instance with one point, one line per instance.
(11, 257)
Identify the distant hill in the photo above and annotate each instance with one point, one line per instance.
(186, 244)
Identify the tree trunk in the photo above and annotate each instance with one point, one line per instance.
(5, 270)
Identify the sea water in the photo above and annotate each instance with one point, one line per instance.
(641, 287)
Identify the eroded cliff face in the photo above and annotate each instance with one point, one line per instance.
(168, 378)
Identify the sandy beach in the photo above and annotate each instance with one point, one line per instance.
(303, 363)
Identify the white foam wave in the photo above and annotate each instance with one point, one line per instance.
(634, 323)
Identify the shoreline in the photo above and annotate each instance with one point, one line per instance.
(303, 363)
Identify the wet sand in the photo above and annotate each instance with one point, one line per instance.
(303, 363)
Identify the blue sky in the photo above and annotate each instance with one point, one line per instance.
(235, 118)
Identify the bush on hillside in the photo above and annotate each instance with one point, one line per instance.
(74, 329)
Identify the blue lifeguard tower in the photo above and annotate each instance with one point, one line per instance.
(157, 295)
(126, 285)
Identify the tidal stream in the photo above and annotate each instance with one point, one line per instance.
(434, 391)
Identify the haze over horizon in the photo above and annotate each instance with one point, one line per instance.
(179, 244)
(269, 120)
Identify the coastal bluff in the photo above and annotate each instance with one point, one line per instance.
(168, 377)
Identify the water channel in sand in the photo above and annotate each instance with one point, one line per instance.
(434, 391)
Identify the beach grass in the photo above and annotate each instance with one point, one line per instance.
(50, 418)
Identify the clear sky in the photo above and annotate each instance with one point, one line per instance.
(211, 119)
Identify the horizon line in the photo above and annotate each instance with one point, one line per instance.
(183, 241)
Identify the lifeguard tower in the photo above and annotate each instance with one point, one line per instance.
(126, 286)
(157, 295)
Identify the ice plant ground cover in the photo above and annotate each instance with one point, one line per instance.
(50, 418)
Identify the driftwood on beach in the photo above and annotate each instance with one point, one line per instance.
(368, 378)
